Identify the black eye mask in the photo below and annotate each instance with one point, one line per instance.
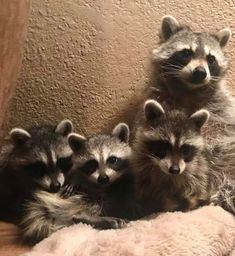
(158, 148)
(178, 60)
(36, 170)
(90, 167)
(188, 152)
(64, 163)
(116, 163)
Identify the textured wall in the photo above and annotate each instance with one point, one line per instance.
(89, 60)
(13, 24)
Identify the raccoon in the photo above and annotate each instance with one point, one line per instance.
(169, 158)
(101, 169)
(37, 158)
(98, 183)
(189, 74)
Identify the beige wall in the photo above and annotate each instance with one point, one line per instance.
(89, 60)
(13, 25)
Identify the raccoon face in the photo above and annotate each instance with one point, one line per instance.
(196, 59)
(101, 159)
(172, 141)
(42, 154)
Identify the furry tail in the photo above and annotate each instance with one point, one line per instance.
(225, 195)
(48, 213)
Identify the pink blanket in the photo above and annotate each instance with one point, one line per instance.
(205, 231)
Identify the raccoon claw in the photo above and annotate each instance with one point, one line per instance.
(67, 191)
(102, 222)
(117, 223)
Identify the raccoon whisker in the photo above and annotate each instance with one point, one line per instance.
(172, 65)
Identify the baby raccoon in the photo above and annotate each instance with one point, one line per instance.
(169, 159)
(99, 182)
(190, 69)
(101, 169)
(36, 158)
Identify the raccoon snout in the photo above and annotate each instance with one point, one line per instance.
(199, 75)
(104, 179)
(174, 169)
(55, 187)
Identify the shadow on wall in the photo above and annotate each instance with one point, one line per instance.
(89, 60)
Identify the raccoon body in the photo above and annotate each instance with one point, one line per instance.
(222, 164)
(99, 185)
(189, 74)
(32, 159)
(169, 157)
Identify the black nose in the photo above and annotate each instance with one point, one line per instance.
(199, 74)
(174, 169)
(104, 179)
(55, 187)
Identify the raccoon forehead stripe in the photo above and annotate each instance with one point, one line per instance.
(181, 46)
(53, 155)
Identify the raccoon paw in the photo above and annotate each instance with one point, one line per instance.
(110, 223)
(69, 190)
(101, 222)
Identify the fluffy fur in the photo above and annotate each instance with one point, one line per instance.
(170, 160)
(90, 201)
(222, 164)
(206, 231)
(30, 160)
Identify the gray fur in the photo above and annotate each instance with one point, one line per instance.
(20, 156)
(157, 189)
(47, 213)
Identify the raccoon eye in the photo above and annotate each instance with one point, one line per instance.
(211, 59)
(185, 54)
(36, 170)
(188, 152)
(159, 148)
(64, 163)
(112, 160)
(89, 167)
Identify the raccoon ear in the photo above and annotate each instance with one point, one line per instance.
(199, 118)
(76, 142)
(122, 131)
(169, 27)
(152, 110)
(223, 36)
(65, 127)
(19, 136)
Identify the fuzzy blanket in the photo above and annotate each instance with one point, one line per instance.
(206, 231)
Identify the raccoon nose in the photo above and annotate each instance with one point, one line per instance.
(54, 187)
(199, 74)
(174, 169)
(103, 179)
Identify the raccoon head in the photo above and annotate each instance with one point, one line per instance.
(42, 154)
(194, 59)
(101, 159)
(171, 141)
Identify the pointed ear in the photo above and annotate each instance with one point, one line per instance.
(122, 132)
(64, 127)
(76, 142)
(19, 136)
(223, 36)
(199, 118)
(169, 27)
(153, 111)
